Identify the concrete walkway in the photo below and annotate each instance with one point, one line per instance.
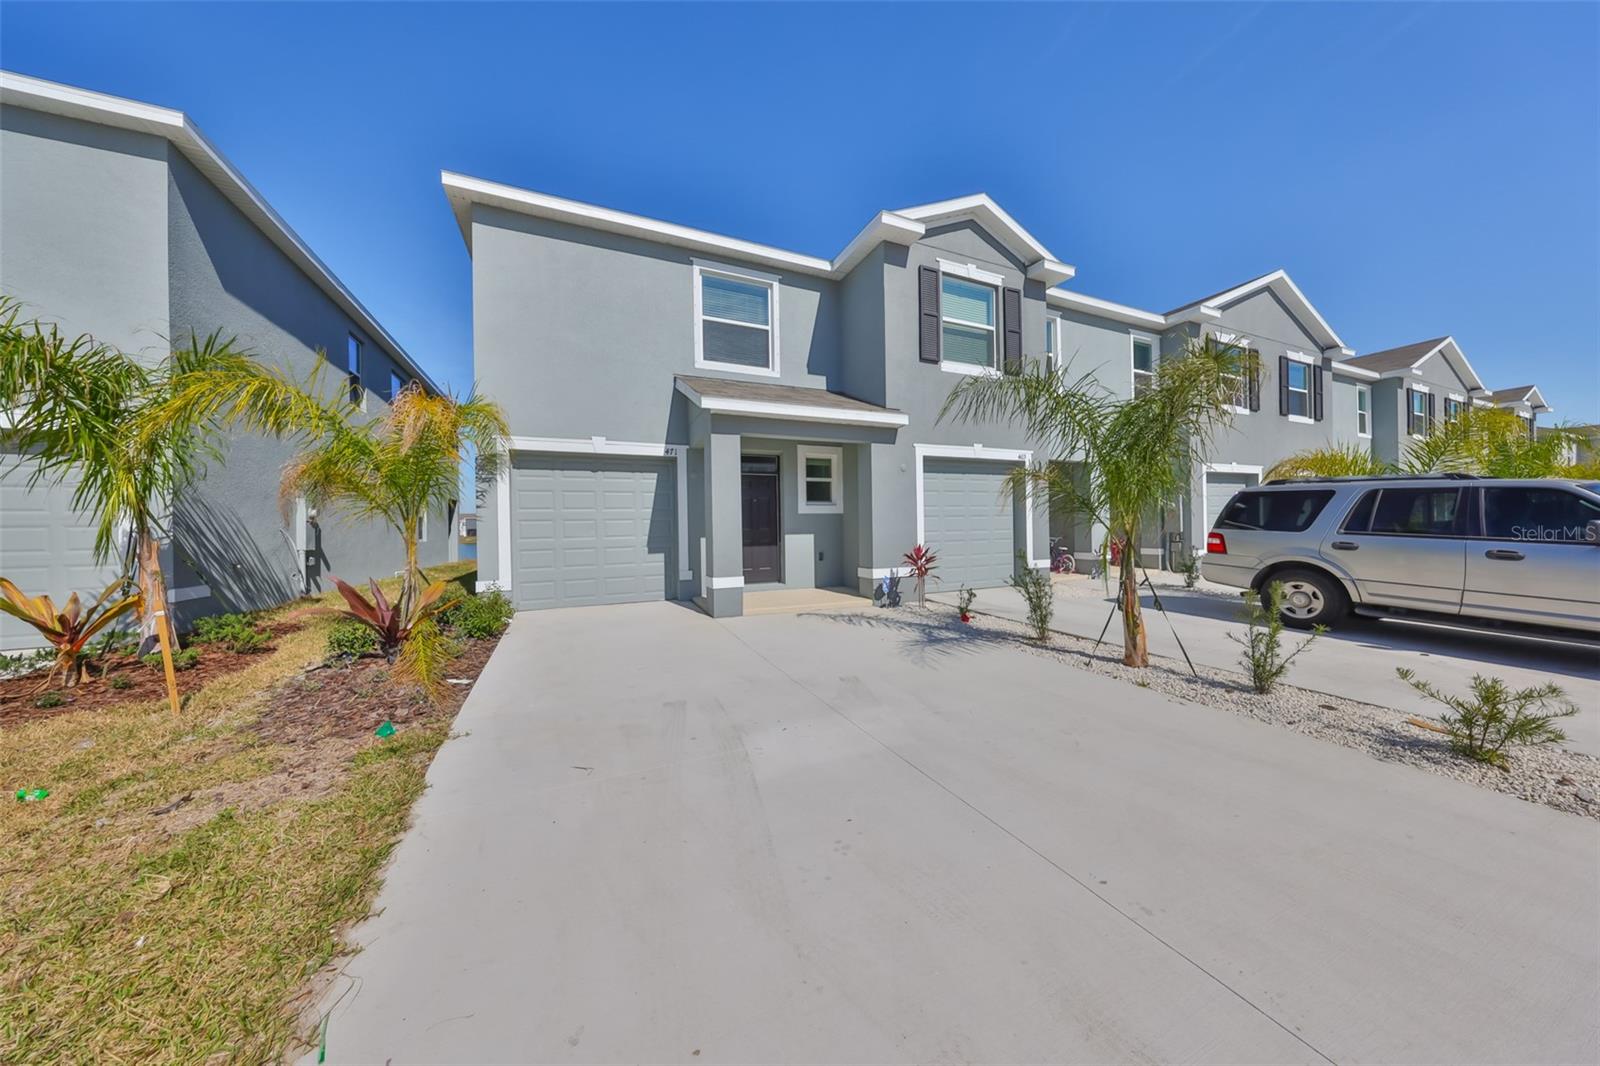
(851, 838)
(1357, 660)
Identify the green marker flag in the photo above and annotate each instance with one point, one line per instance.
(385, 730)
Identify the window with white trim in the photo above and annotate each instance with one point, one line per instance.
(821, 480)
(422, 528)
(735, 320)
(1052, 339)
(1453, 406)
(967, 321)
(1299, 389)
(1239, 401)
(352, 367)
(1144, 365)
(1419, 412)
(1363, 410)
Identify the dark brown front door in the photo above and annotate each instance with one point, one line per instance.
(763, 545)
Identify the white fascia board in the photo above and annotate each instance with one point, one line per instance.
(592, 446)
(36, 94)
(886, 228)
(1457, 359)
(1361, 372)
(463, 191)
(1051, 272)
(794, 412)
(1279, 281)
(994, 218)
(1091, 305)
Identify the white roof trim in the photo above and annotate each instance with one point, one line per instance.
(893, 227)
(1093, 305)
(36, 94)
(1280, 282)
(795, 412)
(1454, 355)
(1530, 397)
(1354, 371)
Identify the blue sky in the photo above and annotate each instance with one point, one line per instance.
(1418, 169)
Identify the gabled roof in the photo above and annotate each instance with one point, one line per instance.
(895, 227)
(1521, 394)
(1279, 282)
(1408, 358)
(36, 94)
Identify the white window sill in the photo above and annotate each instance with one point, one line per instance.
(822, 508)
(1236, 410)
(1364, 436)
(1302, 419)
(970, 369)
(736, 368)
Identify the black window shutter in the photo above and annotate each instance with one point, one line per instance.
(928, 314)
(1429, 428)
(1254, 372)
(1411, 410)
(1011, 303)
(1283, 384)
(1316, 396)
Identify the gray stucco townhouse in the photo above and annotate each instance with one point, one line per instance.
(696, 415)
(122, 220)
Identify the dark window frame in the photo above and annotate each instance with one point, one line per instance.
(1325, 497)
(1464, 520)
(1481, 509)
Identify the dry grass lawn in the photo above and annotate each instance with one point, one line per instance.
(131, 932)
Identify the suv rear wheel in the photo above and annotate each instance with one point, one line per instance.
(1309, 598)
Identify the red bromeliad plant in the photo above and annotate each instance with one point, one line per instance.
(922, 563)
(392, 622)
(69, 629)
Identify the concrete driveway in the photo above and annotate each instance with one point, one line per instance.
(1357, 660)
(850, 838)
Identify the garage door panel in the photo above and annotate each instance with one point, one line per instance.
(593, 530)
(969, 521)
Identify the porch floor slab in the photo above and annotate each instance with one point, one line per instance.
(794, 601)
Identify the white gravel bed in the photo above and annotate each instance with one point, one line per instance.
(1566, 780)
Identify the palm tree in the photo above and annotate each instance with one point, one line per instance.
(394, 468)
(1486, 441)
(1138, 451)
(81, 410)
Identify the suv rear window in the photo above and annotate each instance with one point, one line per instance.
(1276, 512)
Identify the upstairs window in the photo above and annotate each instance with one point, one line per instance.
(967, 321)
(1299, 389)
(1144, 365)
(736, 314)
(352, 366)
(1453, 406)
(1419, 413)
(397, 384)
(1052, 334)
(1363, 410)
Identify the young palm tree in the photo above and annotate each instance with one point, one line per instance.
(1138, 452)
(1490, 442)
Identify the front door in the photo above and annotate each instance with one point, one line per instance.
(763, 545)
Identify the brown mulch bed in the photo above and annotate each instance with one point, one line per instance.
(149, 683)
(351, 700)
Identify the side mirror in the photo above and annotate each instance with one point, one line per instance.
(1591, 531)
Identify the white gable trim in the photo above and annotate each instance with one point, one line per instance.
(1287, 291)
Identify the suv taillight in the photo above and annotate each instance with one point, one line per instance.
(1216, 544)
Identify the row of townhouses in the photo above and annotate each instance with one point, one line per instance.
(693, 415)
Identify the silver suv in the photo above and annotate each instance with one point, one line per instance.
(1449, 546)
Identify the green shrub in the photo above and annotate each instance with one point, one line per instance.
(349, 639)
(1263, 656)
(236, 632)
(1191, 571)
(120, 681)
(186, 659)
(481, 616)
(49, 699)
(1037, 592)
(1493, 718)
(964, 600)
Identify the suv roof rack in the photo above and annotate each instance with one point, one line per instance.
(1442, 476)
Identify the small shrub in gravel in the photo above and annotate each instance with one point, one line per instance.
(1481, 726)
(349, 639)
(49, 699)
(479, 617)
(964, 600)
(1038, 593)
(1191, 572)
(1263, 658)
(187, 659)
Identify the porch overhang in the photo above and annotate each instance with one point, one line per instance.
(785, 402)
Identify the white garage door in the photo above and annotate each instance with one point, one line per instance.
(1220, 489)
(46, 547)
(589, 530)
(968, 523)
